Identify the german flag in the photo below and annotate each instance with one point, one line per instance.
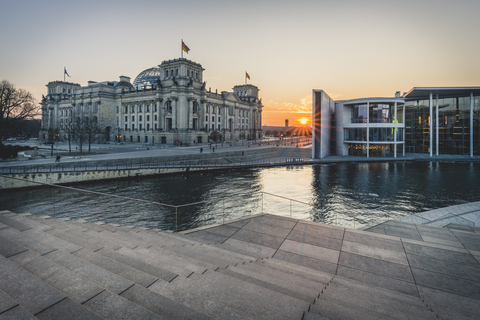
(247, 76)
(184, 47)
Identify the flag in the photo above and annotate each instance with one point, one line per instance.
(247, 76)
(184, 47)
(65, 72)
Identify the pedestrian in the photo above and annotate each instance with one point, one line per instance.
(213, 149)
(58, 158)
(201, 150)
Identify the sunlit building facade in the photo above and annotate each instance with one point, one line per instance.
(430, 121)
(167, 104)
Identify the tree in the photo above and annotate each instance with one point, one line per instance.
(215, 136)
(16, 105)
(85, 129)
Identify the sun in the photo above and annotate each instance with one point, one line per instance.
(303, 121)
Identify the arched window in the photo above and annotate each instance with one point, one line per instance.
(195, 106)
(166, 73)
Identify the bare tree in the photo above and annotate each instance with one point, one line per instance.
(16, 105)
(85, 129)
(92, 129)
(215, 136)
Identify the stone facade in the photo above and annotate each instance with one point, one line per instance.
(168, 104)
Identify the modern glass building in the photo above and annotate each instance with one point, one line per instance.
(424, 121)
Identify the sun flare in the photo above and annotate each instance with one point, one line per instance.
(303, 121)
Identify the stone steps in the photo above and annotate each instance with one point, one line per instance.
(63, 269)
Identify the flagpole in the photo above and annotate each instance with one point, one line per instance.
(181, 48)
(245, 77)
(63, 73)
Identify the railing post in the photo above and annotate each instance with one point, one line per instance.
(290, 208)
(223, 211)
(176, 219)
(262, 204)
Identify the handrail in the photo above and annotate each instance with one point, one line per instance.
(176, 207)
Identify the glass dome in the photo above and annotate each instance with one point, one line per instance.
(147, 77)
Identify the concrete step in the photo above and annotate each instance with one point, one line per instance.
(165, 238)
(102, 239)
(51, 240)
(28, 291)
(313, 316)
(313, 285)
(163, 262)
(158, 304)
(226, 286)
(7, 219)
(26, 220)
(288, 301)
(100, 276)
(378, 303)
(197, 302)
(178, 259)
(9, 248)
(69, 283)
(299, 271)
(360, 288)
(228, 299)
(230, 256)
(130, 260)
(269, 283)
(123, 270)
(68, 309)
(17, 313)
(338, 309)
(196, 253)
(24, 240)
(112, 306)
(72, 238)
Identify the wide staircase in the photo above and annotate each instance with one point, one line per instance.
(64, 269)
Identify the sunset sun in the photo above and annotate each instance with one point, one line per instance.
(303, 121)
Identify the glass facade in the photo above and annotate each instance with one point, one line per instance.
(359, 113)
(453, 126)
(355, 134)
(385, 134)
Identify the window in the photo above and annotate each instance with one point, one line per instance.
(148, 117)
(118, 109)
(126, 109)
(132, 110)
(133, 118)
(218, 127)
(133, 126)
(213, 119)
(155, 108)
(213, 126)
(206, 118)
(148, 108)
(166, 73)
(126, 126)
(140, 126)
(126, 118)
(139, 118)
(156, 126)
(139, 108)
(148, 126)
(155, 117)
(218, 119)
(168, 105)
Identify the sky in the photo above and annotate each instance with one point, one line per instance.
(350, 49)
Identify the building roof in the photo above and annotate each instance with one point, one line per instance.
(442, 92)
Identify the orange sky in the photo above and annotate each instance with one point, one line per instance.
(348, 48)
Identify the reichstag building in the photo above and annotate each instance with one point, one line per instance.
(168, 104)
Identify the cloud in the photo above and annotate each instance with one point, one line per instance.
(303, 105)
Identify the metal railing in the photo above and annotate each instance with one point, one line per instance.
(91, 205)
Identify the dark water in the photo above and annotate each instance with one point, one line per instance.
(348, 194)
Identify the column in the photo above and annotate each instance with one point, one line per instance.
(174, 113)
(160, 115)
(471, 124)
(368, 129)
(395, 132)
(436, 126)
(431, 121)
(404, 128)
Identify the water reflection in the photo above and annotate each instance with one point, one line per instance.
(348, 194)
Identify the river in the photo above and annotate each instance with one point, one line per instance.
(347, 194)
